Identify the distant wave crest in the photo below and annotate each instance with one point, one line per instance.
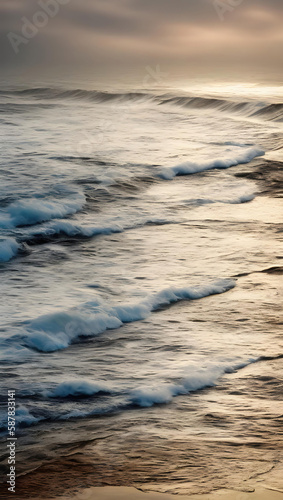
(251, 109)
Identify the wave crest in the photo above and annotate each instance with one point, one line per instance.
(53, 332)
(9, 248)
(199, 379)
(189, 168)
(249, 109)
(31, 211)
(77, 388)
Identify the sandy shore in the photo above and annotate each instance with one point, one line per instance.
(121, 493)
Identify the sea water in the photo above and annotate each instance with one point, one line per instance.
(140, 282)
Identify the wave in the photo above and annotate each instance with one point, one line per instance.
(31, 211)
(244, 198)
(147, 396)
(195, 378)
(271, 112)
(71, 229)
(56, 229)
(24, 417)
(21, 108)
(143, 396)
(77, 94)
(250, 109)
(57, 331)
(189, 168)
(9, 248)
(78, 388)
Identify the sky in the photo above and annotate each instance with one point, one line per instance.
(121, 38)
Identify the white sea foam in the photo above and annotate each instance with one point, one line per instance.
(222, 163)
(31, 211)
(53, 332)
(147, 396)
(8, 249)
(77, 388)
(221, 188)
(245, 198)
(71, 229)
(23, 416)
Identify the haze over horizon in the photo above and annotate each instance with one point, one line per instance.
(232, 39)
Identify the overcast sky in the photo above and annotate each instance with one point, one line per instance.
(184, 37)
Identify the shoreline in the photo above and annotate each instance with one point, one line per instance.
(130, 493)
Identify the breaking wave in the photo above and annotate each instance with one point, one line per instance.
(31, 211)
(70, 229)
(8, 249)
(24, 417)
(78, 94)
(57, 331)
(189, 168)
(250, 109)
(123, 398)
(77, 388)
(147, 396)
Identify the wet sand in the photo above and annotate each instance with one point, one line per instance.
(121, 493)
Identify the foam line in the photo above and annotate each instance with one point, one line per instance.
(57, 331)
(189, 168)
(77, 388)
(147, 396)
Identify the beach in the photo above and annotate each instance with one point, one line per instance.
(132, 494)
(142, 265)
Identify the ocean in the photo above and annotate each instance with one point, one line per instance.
(141, 282)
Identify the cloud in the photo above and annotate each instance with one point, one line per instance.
(113, 35)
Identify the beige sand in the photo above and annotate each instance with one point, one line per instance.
(121, 493)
